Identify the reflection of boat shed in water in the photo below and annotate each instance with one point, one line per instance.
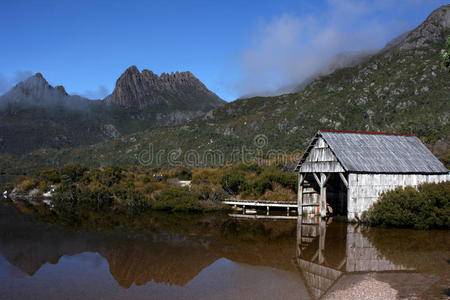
(348, 170)
(327, 255)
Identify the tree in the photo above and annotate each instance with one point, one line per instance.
(446, 55)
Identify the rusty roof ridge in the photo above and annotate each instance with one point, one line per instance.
(365, 132)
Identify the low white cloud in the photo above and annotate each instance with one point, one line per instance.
(100, 93)
(7, 82)
(288, 49)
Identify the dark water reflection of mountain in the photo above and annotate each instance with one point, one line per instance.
(208, 256)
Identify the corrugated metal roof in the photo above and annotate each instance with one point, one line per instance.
(380, 153)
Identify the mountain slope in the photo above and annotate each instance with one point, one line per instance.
(34, 114)
(401, 89)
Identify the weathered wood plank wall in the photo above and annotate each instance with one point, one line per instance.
(321, 159)
(364, 189)
(362, 256)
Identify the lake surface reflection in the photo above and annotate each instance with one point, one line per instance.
(215, 257)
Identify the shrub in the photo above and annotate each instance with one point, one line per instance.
(426, 207)
(206, 176)
(176, 199)
(213, 193)
(74, 172)
(108, 176)
(181, 173)
(66, 194)
(51, 175)
(268, 180)
(280, 193)
(232, 181)
(249, 167)
(27, 185)
(7, 187)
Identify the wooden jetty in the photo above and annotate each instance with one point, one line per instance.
(262, 204)
(264, 217)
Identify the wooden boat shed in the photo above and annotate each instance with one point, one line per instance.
(348, 170)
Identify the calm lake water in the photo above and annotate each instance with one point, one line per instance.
(167, 256)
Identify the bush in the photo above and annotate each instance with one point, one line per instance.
(206, 176)
(176, 199)
(268, 180)
(249, 167)
(181, 173)
(74, 172)
(51, 175)
(27, 185)
(107, 176)
(280, 193)
(232, 181)
(426, 207)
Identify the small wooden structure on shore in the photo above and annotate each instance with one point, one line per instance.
(261, 204)
(348, 170)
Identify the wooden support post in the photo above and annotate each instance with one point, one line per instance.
(243, 209)
(323, 195)
(342, 199)
(342, 263)
(267, 210)
(326, 178)
(301, 177)
(322, 237)
(299, 235)
(287, 209)
(317, 179)
(344, 180)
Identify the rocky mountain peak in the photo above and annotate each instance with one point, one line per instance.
(175, 90)
(36, 79)
(39, 75)
(34, 90)
(432, 31)
(132, 70)
(62, 90)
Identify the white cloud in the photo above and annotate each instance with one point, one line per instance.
(100, 93)
(7, 82)
(288, 49)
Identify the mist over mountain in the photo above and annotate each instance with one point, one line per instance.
(36, 91)
(342, 60)
(7, 82)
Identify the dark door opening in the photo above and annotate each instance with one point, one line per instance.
(337, 195)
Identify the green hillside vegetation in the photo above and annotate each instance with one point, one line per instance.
(26, 128)
(446, 55)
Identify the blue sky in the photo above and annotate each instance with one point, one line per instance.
(234, 47)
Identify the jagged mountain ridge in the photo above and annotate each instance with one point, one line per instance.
(34, 114)
(145, 89)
